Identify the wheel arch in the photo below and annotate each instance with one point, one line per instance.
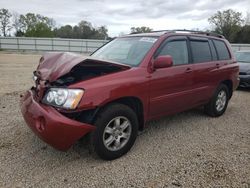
(229, 85)
(134, 103)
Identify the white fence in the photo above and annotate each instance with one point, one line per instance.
(71, 45)
(238, 47)
(50, 44)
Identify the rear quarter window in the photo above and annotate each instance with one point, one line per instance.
(222, 51)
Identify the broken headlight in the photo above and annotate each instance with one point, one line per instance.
(64, 98)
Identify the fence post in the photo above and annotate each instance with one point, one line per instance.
(81, 46)
(52, 43)
(69, 45)
(17, 41)
(87, 46)
(35, 45)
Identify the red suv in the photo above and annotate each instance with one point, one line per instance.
(132, 79)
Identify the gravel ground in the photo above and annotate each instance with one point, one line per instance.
(185, 150)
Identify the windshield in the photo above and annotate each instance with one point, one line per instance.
(243, 57)
(129, 50)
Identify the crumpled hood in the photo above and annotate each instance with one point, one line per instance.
(244, 67)
(53, 65)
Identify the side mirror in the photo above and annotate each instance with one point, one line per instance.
(163, 62)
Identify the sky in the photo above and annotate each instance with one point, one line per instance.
(120, 15)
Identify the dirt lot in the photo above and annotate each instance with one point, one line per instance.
(185, 150)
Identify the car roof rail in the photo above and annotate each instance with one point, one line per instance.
(157, 31)
(191, 31)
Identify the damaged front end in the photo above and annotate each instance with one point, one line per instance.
(50, 108)
(66, 68)
(85, 70)
(50, 125)
(57, 71)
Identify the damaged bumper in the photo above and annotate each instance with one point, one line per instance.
(51, 126)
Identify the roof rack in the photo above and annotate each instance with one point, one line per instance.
(191, 31)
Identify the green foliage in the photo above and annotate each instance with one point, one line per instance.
(5, 24)
(143, 29)
(227, 23)
(243, 36)
(84, 30)
(36, 25)
(39, 30)
(64, 31)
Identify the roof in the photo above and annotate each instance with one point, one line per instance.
(162, 32)
(151, 34)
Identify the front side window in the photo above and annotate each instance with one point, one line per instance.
(127, 50)
(201, 51)
(178, 50)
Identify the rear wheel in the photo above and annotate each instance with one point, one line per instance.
(116, 131)
(218, 104)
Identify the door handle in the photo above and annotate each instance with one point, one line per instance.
(188, 70)
(217, 65)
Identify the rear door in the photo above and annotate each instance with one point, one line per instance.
(207, 68)
(171, 88)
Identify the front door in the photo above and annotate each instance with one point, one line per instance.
(171, 88)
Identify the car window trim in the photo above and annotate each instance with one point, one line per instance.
(216, 58)
(230, 55)
(202, 40)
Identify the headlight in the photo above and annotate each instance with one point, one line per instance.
(64, 98)
(34, 78)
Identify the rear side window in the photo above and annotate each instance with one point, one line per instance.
(201, 51)
(178, 50)
(214, 54)
(222, 50)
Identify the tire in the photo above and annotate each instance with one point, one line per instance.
(215, 108)
(110, 123)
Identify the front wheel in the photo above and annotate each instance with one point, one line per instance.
(218, 104)
(116, 131)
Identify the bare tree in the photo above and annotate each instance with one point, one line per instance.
(5, 23)
(16, 23)
(247, 20)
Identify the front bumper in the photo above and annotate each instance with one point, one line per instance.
(244, 80)
(51, 126)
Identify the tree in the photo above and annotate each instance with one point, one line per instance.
(40, 30)
(247, 20)
(84, 30)
(101, 33)
(64, 32)
(36, 25)
(243, 35)
(17, 25)
(142, 29)
(5, 24)
(227, 23)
